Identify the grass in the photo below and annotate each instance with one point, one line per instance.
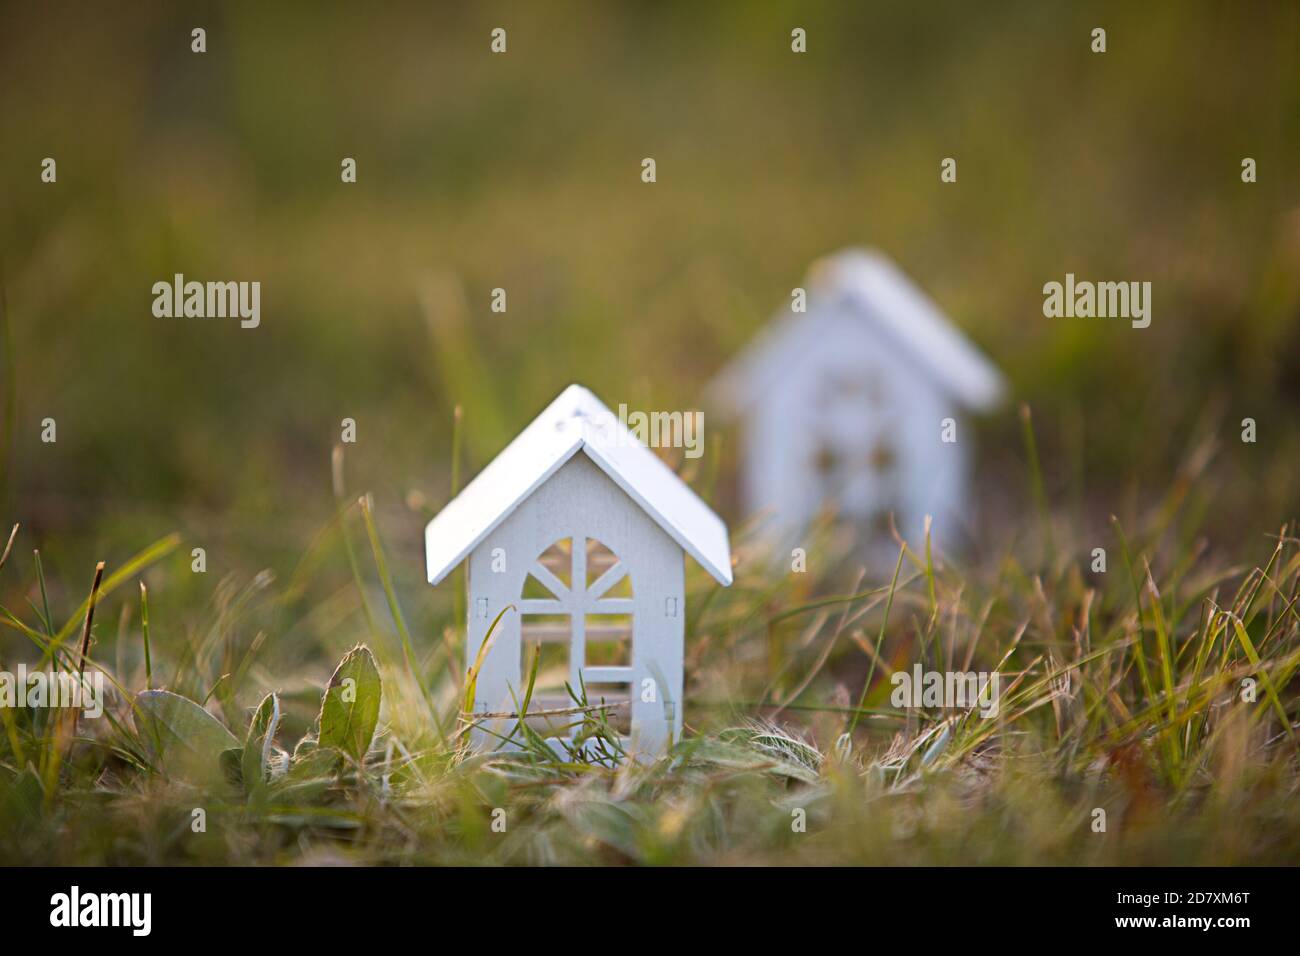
(1121, 691)
(1123, 687)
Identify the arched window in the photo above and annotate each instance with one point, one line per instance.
(576, 612)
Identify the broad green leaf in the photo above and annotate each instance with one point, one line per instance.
(260, 741)
(349, 710)
(230, 765)
(266, 716)
(318, 764)
(180, 732)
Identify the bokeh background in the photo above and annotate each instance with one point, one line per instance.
(522, 171)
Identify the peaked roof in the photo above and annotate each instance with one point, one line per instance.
(869, 284)
(575, 422)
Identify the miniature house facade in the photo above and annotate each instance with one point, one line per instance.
(856, 405)
(583, 531)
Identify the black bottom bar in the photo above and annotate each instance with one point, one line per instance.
(309, 905)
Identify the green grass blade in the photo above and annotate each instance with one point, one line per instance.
(1269, 689)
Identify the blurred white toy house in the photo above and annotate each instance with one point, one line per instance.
(584, 531)
(857, 404)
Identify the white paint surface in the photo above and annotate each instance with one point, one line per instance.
(576, 421)
(842, 405)
(576, 474)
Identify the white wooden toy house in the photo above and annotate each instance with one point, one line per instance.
(583, 530)
(857, 403)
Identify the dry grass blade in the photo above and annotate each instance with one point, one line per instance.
(9, 546)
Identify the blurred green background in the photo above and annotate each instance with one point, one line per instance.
(522, 171)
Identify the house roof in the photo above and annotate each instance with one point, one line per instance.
(870, 285)
(575, 422)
